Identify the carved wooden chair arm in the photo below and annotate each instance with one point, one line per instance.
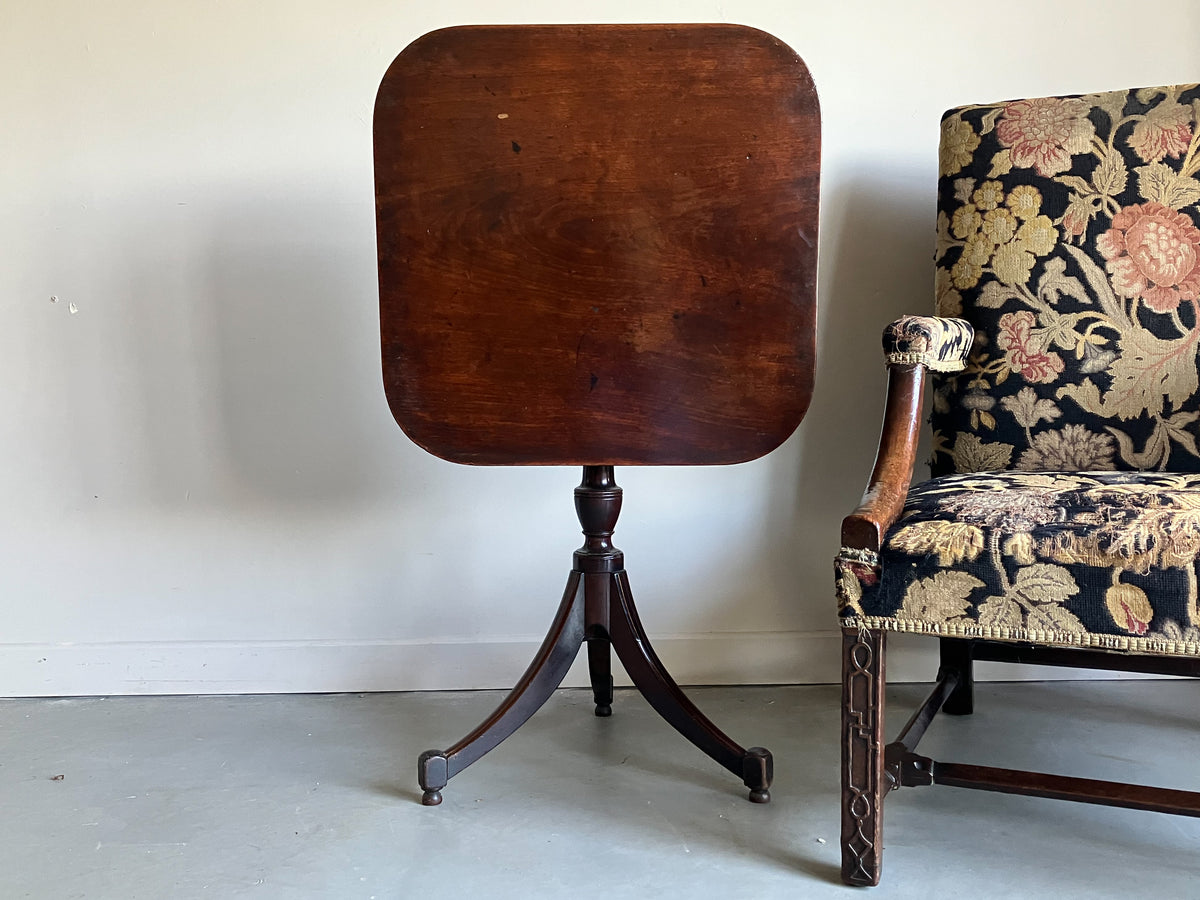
(911, 344)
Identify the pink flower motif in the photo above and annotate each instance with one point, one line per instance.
(1153, 252)
(1166, 131)
(1021, 352)
(1043, 133)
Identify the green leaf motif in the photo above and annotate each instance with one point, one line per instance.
(1181, 427)
(1059, 331)
(1055, 283)
(994, 295)
(939, 598)
(1043, 583)
(1028, 410)
(1001, 164)
(972, 455)
(1074, 181)
(1110, 176)
(944, 239)
(1112, 102)
(951, 541)
(1101, 288)
(1162, 184)
(1000, 612)
(1041, 589)
(989, 120)
(1147, 370)
(1054, 618)
(1151, 456)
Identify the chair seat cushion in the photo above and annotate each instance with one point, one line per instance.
(1091, 559)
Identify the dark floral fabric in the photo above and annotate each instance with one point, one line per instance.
(1068, 237)
(939, 344)
(1094, 559)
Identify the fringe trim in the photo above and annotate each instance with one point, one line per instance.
(927, 360)
(1086, 640)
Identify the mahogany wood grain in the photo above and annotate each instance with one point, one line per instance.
(888, 486)
(597, 607)
(597, 244)
(1065, 787)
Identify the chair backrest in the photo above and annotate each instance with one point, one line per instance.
(1068, 236)
(597, 244)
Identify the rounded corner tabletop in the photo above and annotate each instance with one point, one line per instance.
(597, 244)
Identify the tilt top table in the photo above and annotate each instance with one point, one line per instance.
(597, 247)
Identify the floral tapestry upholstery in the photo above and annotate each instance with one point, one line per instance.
(1068, 238)
(940, 345)
(1095, 559)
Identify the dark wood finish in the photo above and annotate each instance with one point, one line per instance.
(1062, 787)
(600, 673)
(863, 785)
(957, 658)
(914, 729)
(597, 244)
(1031, 654)
(905, 767)
(597, 607)
(888, 486)
(862, 713)
(649, 675)
(559, 649)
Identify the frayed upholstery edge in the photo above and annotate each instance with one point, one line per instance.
(859, 555)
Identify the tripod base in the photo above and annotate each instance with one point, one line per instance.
(597, 608)
(549, 667)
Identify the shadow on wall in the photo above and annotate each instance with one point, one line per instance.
(876, 264)
(227, 359)
(294, 319)
(231, 357)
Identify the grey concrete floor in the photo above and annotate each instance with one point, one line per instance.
(315, 797)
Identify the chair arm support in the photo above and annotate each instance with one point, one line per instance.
(884, 497)
(911, 344)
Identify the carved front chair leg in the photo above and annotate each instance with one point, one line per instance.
(863, 781)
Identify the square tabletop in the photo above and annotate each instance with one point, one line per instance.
(597, 244)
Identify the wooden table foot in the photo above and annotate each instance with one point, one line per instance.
(597, 608)
(650, 676)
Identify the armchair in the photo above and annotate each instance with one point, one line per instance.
(1061, 524)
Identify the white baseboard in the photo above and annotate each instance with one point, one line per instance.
(187, 667)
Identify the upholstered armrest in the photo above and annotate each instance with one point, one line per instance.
(911, 344)
(937, 343)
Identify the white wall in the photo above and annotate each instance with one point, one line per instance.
(203, 489)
